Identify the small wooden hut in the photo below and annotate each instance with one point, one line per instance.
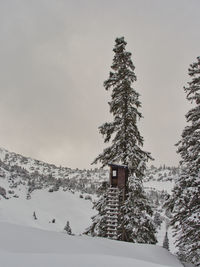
(118, 176)
(116, 196)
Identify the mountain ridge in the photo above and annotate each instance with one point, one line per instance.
(35, 174)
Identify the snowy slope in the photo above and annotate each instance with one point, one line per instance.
(160, 185)
(44, 174)
(43, 168)
(35, 186)
(35, 174)
(61, 206)
(25, 246)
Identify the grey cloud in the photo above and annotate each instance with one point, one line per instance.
(55, 56)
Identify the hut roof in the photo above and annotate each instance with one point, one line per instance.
(117, 165)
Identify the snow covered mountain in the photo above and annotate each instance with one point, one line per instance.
(46, 186)
(18, 170)
(40, 195)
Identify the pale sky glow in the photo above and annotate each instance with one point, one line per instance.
(55, 56)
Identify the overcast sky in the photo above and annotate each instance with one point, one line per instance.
(55, 56)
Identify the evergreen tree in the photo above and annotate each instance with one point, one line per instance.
(98, 227)
(157, 219)
(127, 141)
(185, 201)
(34, 216)
(68, 229)
(137, 215)
(125, 148)
(166, 241)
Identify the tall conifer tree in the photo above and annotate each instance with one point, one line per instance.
(185, 201)
(125, 145)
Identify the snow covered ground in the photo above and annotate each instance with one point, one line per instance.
(26, 242)
(22, 246)
(160, 185)
(61, 206)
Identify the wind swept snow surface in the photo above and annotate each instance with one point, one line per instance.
(22, 246)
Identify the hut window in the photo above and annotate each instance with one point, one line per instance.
(114, 173)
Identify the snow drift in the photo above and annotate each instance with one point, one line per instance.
(26, 246)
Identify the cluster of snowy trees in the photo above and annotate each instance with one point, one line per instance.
(125, 147)
(35, 180)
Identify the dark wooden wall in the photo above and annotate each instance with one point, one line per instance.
(121, 179)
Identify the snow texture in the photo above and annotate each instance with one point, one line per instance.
(26, 246)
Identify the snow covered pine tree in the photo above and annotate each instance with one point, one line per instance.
(126, 146)
(185, 201)
(166, 241)
(98, 227)
(68, 229)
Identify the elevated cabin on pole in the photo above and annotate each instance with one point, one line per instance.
(118, 176)
(116, 196)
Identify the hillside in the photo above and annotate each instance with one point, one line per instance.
(48, 207)
(63, 194)
(16, 170)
